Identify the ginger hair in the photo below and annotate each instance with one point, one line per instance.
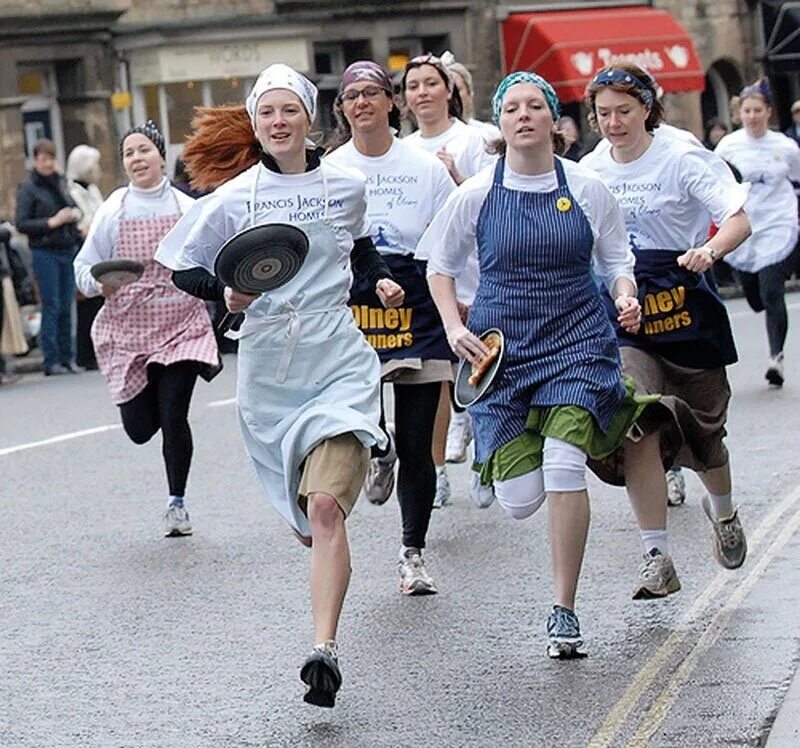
(222, 145)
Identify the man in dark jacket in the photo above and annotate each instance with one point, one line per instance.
(48, 216)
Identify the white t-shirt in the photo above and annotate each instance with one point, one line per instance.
(280, 198)
(453, 232)
(101, 241)
(489, 131)
(669, 195)
(769, 163)
(405, 189)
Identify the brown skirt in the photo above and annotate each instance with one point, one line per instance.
(691, 419)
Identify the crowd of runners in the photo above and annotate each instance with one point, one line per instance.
(597, 276)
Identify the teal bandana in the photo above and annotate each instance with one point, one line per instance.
(524, 77)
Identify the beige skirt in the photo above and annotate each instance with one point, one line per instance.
(12, 339)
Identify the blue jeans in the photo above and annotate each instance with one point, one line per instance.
(56, 278)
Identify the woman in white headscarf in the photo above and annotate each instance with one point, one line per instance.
(308, 387)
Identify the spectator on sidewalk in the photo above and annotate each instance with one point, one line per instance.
(7, 299)
(48, 215)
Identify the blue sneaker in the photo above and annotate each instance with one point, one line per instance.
(564, 635)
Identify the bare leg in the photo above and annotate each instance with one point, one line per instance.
(441, 425)
(568, 521)
(330, 564)
(645, 481)
(717, 480)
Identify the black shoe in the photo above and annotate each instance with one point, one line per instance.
(56, 370)
(321, 674)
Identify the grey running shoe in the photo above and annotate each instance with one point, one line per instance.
(176, 521)
(414, 579)
(483, 496)
(657, 577)
(459, 436)
(730, 543)
(774, 373)
(564, 641)
(676, 487)
(320, 672)
(379, 482)
(444, 495)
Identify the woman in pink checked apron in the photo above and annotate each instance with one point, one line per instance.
(151, 339)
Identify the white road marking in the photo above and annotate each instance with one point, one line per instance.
(58, 439)
(665, 653)
(221, 403)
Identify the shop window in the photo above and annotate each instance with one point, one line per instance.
(328, 59)
(229, 91)
(32, 84)
(151, 108)
(182, 98)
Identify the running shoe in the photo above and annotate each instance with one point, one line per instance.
(444, 495)
(320, 672)
(676, 487)
(379, 482)
(774, 373)
(176, 521)
(564, 641)
(414, 578)
(730, 543)
(459, 436)
(483, 496)
(657, 577)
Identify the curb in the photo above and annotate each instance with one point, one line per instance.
(785, 732)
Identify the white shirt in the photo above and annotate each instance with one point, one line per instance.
(405, 187)
(101, 241)
(669, 195)
(769, 163)
(453, 232)
(489, 131)
(280, 198)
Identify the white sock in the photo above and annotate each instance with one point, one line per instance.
(176, 500)
(655, 539)
(721, 505)
(404, 548)
(440, 469)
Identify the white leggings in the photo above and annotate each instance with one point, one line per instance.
(563, 470)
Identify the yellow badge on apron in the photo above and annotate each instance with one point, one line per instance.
(563, 204)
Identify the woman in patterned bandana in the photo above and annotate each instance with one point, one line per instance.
(152, 340)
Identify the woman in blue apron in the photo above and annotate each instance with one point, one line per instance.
(539, 222)
(405, 189)
(308, 383)
(669, 195)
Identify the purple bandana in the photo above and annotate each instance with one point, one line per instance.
(363, 71)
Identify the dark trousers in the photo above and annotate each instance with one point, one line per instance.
(765, 291)
(87, 311)
(164, 405)
(414, 414)
(56, 280)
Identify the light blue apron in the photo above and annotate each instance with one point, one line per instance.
(306, 373)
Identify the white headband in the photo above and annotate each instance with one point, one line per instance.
(283, 77)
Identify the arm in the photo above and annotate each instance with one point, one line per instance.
(461, 340)
(99, 245)
(367, 262)
(200, 283)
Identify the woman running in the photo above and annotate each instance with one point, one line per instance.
(669, 195)
(770, 161)
(539, 222)
(151, 340)
(308, 392)
(405, 188)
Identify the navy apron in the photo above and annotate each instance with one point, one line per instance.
(534, 251)
(413, 330)
(684, 321)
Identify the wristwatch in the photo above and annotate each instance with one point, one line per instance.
(712, 252)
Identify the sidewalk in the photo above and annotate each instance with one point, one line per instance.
(785, 732)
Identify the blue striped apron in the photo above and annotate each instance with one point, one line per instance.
(536, 286)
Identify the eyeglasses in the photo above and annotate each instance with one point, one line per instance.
(370, 92)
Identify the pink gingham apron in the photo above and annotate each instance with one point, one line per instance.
(149, 321)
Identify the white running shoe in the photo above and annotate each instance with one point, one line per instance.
(414, 578)
(444, 495)
(176, 521)
(483, 496)
(459, 436)
(676, 487)
(657, 577)
(379, 483)
(774, 373)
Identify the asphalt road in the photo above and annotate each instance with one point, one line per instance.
(111, 635)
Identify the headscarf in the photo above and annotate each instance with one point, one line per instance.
(759, 88)
(366, 70)
(280, 76)
(610, 76)
(524, 76)
(150, 130)
(434, 62)
(450, 62)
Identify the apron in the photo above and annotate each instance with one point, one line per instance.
(306, 373)
(683, 318)
(149, 321)
(534, 250)
(413, 331)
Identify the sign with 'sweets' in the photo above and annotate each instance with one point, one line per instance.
(587, 62)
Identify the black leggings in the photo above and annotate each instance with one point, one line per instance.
(764, 290)
(414, 415)
(164, 404)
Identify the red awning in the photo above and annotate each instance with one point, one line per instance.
(568, 46)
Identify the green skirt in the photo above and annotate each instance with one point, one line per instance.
(571, 424)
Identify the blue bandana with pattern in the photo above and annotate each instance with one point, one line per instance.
(610, 76)
(524, 76)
